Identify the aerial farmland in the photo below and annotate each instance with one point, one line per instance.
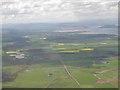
(51, 59)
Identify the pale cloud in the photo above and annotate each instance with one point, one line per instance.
(25, 11)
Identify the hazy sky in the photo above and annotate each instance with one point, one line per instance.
(26, 11)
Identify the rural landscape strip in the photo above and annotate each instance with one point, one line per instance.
(53, 81)
(50, 83)
(68, 72)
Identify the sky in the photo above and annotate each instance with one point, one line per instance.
(52, 11)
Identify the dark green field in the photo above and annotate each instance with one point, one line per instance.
(50, 60)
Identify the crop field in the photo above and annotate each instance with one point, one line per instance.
(60, 60)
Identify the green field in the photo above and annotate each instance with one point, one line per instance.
(37, 77)
(43, 56)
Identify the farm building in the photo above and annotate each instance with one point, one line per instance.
(18, 55)
(104, 62)
(50, 74)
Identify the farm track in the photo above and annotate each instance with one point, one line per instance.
(19, 71)
(23, 68)
(105, 71)
(107, 80)
(68, 72)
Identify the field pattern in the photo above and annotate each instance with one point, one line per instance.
(59, 60)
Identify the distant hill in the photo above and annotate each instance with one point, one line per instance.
(55, 26)
(109, 26)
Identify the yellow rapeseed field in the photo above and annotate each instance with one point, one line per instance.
(70, 51)
(87, 49)
(11, 52)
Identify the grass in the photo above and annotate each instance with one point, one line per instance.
(38, 76)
